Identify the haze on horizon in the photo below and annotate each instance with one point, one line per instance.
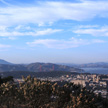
(55, 31)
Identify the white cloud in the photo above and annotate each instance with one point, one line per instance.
(4, 46)
(9, 34)
(47, 31)
(63, 44)
(98, 41)
(18, 27)
(3, 28)
(53, 11)
(22, 27)
(28, 33)
(99, 31)
(41, 24)
(12, 38)
(87, 26)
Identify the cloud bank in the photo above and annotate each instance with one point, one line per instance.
(16, 32)
(63, 44)
(4, 46)
(45, 12)
(89, 30)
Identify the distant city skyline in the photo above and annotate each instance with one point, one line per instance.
(55, 31)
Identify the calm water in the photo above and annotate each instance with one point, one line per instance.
(96, 70)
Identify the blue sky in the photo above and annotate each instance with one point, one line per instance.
(57, 31)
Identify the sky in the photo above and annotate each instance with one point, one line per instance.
(55, 31)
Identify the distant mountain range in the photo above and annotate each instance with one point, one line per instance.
(94, 65)
(47, 67)
(35, 67)
(88, 65)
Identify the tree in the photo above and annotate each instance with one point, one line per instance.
(34, 93)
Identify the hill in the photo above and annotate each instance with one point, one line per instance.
(4, 62)
(37, 67)
(88, 65)
(94, 65)
(45, 67)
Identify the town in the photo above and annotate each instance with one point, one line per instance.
(96, 82)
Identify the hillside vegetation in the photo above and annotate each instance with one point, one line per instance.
(33, 93)
(19, 74)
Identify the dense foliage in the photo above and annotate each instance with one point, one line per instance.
(6, 79)
(33, 93)
(18, 74)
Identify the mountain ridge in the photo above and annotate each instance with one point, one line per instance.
(47, 67)
(88, 65)
(4, 62)
(37, 67)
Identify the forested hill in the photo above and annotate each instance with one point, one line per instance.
(37, 67)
